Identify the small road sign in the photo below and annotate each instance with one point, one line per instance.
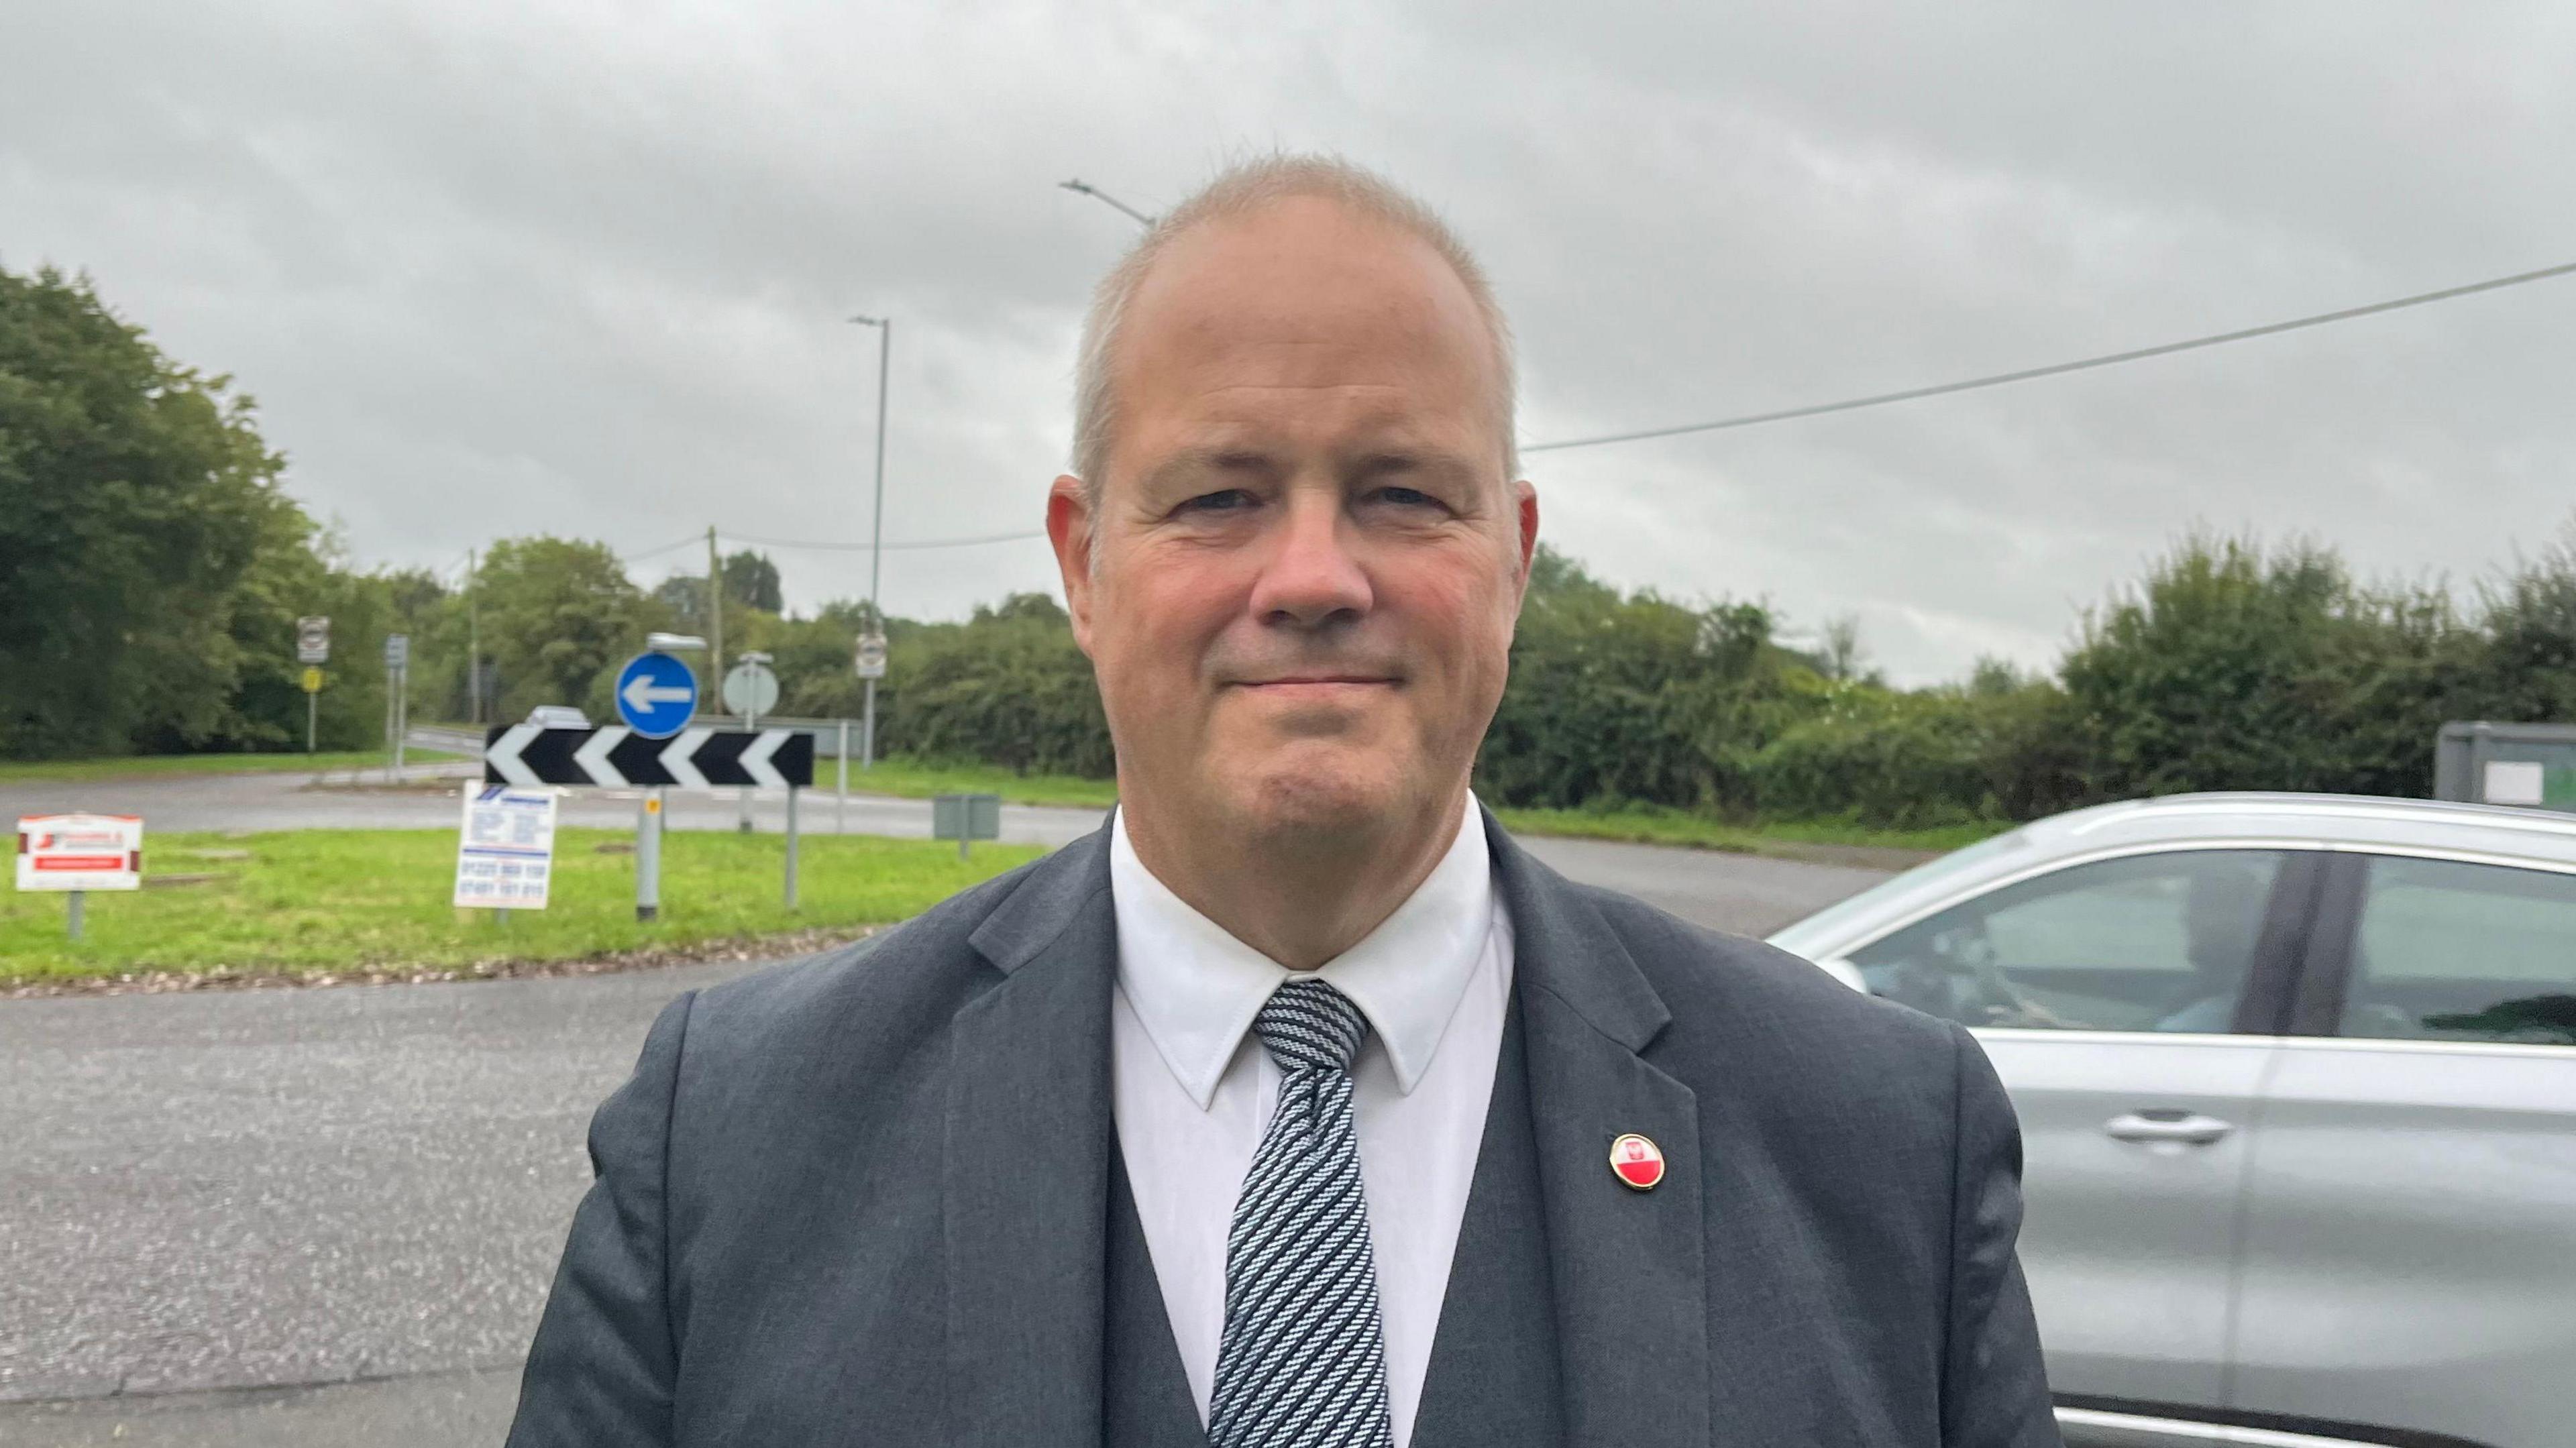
(872, 656)
(312, 679)
(656, 694)
(80, 852)
(313, 640)
(505, 848)
(964, 817)
(617, 757)
(397, 651)
(751, 690)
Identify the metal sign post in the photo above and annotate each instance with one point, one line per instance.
(750, 690)
(656, 696)
(648, 857)
(312, 646)
(312, 689)
(871, 662)
(841, 801)
(398, 684)
(791, 846)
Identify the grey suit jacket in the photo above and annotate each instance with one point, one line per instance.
(861, 1199)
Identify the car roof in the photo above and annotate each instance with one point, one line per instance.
(2195, 820)
(2333, 819)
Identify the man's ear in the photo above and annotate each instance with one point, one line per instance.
(1069, 525)
(1525, 515)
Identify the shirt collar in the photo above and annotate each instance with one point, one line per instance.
(1196, 989)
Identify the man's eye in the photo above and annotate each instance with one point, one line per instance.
(1407, 498)
(1229, 501)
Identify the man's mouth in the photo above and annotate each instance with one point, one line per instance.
(1322, 689)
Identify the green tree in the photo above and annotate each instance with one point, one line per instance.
(2526, 667)
(751, 581)
(1007, 686)
(1632, 698)
(558, 617)
(136, 494)
(684, 597)
(2234, 666)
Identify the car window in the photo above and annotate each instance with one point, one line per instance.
(2450, 951)
(2159, 942)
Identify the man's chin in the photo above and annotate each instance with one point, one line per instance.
(1320, 798)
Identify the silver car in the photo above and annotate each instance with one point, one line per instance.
(2297, 1084)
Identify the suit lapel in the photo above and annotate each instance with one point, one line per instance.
(1025, 1167)
(1629, 1272)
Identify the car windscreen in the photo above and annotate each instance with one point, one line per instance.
(1806, 936)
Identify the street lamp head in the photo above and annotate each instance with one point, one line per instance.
(670, 642)
(869, 321)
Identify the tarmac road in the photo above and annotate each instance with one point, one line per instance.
(261, 802)
(329, 1216)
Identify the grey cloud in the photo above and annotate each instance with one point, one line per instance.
(584, 268)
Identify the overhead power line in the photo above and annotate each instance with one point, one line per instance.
(890, 547)
(2057, 369)
(665, 548)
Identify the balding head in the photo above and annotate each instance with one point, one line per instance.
(1237, 197)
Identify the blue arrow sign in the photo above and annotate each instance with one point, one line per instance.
(656, 694)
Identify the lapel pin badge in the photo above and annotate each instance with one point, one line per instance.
(1637, 1162)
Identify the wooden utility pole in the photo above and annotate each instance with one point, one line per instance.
(715, 616)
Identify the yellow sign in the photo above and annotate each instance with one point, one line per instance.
(312, 681)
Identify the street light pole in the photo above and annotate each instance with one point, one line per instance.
(876, 538)
(1085, 188)
(473, 642)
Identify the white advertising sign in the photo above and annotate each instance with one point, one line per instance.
(80, 852)
(505, 848)
(2516, 782)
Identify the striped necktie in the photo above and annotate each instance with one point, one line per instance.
(1301, 1362)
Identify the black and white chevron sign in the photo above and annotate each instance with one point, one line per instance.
(616, 755)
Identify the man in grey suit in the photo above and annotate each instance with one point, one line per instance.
(1297, 1105)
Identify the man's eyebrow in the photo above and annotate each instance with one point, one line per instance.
(1437, 461)
(1199, 461)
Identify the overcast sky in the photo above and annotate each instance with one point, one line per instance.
(582, 268)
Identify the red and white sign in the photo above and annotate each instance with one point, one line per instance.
(80, 852)
(1637, 1161)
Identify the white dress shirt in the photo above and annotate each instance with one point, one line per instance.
(1192, 1090)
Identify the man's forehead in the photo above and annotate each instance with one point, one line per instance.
(1300, 269)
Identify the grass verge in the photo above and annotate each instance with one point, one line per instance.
(332, 902)
(164, 766)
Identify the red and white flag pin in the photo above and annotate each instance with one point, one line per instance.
(1637, 1161)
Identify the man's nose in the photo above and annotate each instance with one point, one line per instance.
(1310, 575)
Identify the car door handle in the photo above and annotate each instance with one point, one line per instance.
(2187, 1128)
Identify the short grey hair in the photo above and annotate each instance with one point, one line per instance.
(1244, 187)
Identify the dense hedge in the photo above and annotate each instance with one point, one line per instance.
(2228, 666)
